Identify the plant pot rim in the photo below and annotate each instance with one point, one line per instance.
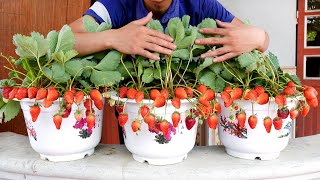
(114, 96)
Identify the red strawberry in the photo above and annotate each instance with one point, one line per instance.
(310, 93)
(131, 93)
(66, 113)
(34, 112)
(180, 93)
(241, 116)
(165, 93)
(236, 93)
(139, 96)
(123, 92)
(78, 115)
(5, 91)
(189, 92)
(229, 103)
(259, 90)
(277, 123)
(204, 111)
(294, 113)
(305, 110)
(212, 121)
(123, 118)
(79, 97)
(252, 95)
(47, 103)
(57, 119)
(150, 119)
(202, 88)
(176, 103)
(283, 112)
(253, 120)
(68, 106)
(88, 104)
(159, 101)
(209, 95)
(144, 111)
(91, 120)
(73, 90)
(32, 92)
(95, 95)
(267, 122)
(164, 127)
(225, 97)
(217, 108)
(69, 97)
(41, 94)
(235, 107)
(291, 84)
(22, 93)
(203, 101)
(119, 108)
(136, 125)
(175, 118)
(88, 111)
(53, 94)
(190, 122)
(263, 98)
(312, 102)
(281, 100)
(154, 93)
(98, 104)
(228, 89)
(13, 93)
(289, 91)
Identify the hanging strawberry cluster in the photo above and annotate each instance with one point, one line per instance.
(306, 96)
(203, 100)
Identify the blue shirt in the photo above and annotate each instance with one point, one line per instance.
(121, 12)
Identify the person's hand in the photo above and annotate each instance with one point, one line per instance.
(135, 38)
(236, 39)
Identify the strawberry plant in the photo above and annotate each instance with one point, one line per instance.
(47, 70)
(172, 79)
(257, 77)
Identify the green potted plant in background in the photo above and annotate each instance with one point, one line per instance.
(59, 93)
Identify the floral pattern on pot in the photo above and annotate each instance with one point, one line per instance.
(84, 132)
(286, 130)
(32, 132)
(233, 128)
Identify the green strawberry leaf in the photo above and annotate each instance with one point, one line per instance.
(90, 24)
(109, 62)
(181, 53)
(185, 21)
(103, 27)
(155, 25)
(74, 67)
(27, 47)
(147, 76)
(9, 110)
(66, 39)
(105, 78)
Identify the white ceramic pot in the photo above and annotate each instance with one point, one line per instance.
(147, 146)
(254, 143)
(66, 144)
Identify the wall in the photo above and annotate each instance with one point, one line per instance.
(277, 17)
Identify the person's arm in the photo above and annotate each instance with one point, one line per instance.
(236, 38)
(133, 38)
